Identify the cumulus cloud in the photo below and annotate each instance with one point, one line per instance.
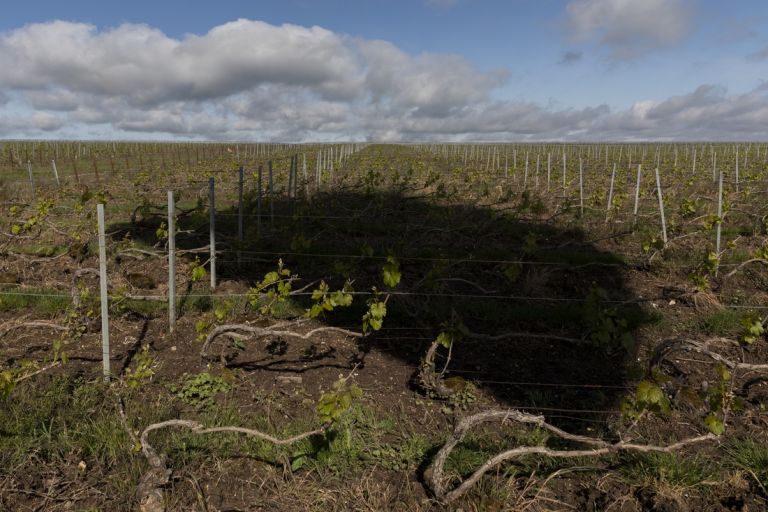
(17, 126)
(629, 28)
(147, 67)
(707, 113)
(431, 84)
(248, 80)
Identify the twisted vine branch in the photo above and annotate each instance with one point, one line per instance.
(150, 492)
(237, 330)
(663, 350)
(435, 474)
(37, 324)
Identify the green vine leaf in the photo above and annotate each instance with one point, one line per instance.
(445, 339)
(198, 272)
(714, 424)
(374, 318)
(325, 300)
(336, 402)
(753, 328)
(390, 274)
(7, 383)
(650, 396)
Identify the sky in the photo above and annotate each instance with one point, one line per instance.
(385, 70)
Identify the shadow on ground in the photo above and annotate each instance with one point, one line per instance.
(487, 270)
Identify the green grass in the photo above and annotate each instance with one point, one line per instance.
(41, 250)
(670, 470)
(148, 308)
(722, 322)
(44, 300)
(69, 420)
(751, 457)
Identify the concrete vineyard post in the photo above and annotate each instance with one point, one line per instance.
(549, 169)
(525, 176)
(55, 173)
(240, 179)
(306, 180)
(290, 177)
(737, 169)
(271, 195)
(212, 228)
(581, 187)
(258, 198)
(31, 181)
(171, 261)
(610, 193)
(719, 214)
(637, 190)
(295, 178)
(661, 207)
(103, 292)
(694, 162)
(564, 157)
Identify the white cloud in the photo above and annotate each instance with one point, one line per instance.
(249, 80)
(128, 76)
(432, 84)
(708, 112)
(629, 28)
(20, 126)
(147, 67)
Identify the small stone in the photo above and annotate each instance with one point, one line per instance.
(289, 379)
